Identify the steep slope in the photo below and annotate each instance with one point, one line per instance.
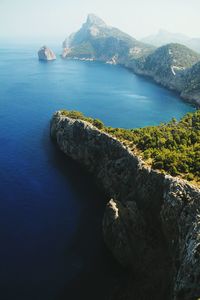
(191, 90)
(164, 37)
(152, 222)
(98, 41)
(167, 65)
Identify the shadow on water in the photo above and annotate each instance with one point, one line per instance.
(94, 273)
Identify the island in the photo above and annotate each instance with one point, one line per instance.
(151, 222)
(46, 54)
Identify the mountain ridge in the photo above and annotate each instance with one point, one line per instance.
(97, 41)
(167, 65)
(163, 37)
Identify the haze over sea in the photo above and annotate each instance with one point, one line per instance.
(50, 209)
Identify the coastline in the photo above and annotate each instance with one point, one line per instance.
(144, 203)
(188, 99)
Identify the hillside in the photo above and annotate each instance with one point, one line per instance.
(191, 88)
(96, 40)
(166, 65)
(172, 148)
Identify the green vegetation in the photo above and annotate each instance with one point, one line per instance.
(84, 50)
(192, 85)
(78, 115)
(173, 148)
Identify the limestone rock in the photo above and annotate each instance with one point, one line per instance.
(119, 223)
(46, 54)
(153, 224)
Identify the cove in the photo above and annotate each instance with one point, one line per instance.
(50, 209)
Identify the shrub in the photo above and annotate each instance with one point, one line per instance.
(173, 147)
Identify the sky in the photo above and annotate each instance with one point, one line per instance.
(53, 20)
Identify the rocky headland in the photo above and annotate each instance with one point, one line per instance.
(174, 66)
(152, 220)
(46, 54)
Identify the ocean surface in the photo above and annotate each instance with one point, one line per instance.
(50, 209)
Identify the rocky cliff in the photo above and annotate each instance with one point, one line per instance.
(46, 54)
(152, 221)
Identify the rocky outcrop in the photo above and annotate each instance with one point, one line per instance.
(46, 54)
(151, 223)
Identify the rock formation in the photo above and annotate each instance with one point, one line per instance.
(98, 41)
(151, 223)
(46, 54)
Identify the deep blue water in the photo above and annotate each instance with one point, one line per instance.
(50, 209)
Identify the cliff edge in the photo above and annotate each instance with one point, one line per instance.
(152, 221)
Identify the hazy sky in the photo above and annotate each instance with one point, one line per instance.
(54, 19)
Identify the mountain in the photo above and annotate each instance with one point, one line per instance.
(191, 90)
(174, 65)
(164, 37)
(167, 65)
(98, 41)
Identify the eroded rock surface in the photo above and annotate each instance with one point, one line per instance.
(152, 223)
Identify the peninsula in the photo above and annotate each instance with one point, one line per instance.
(151, 222)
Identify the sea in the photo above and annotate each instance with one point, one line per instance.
(51, 209)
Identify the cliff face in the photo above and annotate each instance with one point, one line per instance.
(151, 223)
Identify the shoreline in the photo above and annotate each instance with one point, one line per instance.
(149, 78)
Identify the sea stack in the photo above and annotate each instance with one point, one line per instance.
(46, 54)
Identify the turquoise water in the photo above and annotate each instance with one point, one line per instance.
(50, 209)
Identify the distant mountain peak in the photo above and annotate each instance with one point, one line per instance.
(92, 19)
(96, 40)
(163, 37)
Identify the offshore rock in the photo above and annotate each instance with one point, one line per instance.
(152, 223)
(46, 54)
